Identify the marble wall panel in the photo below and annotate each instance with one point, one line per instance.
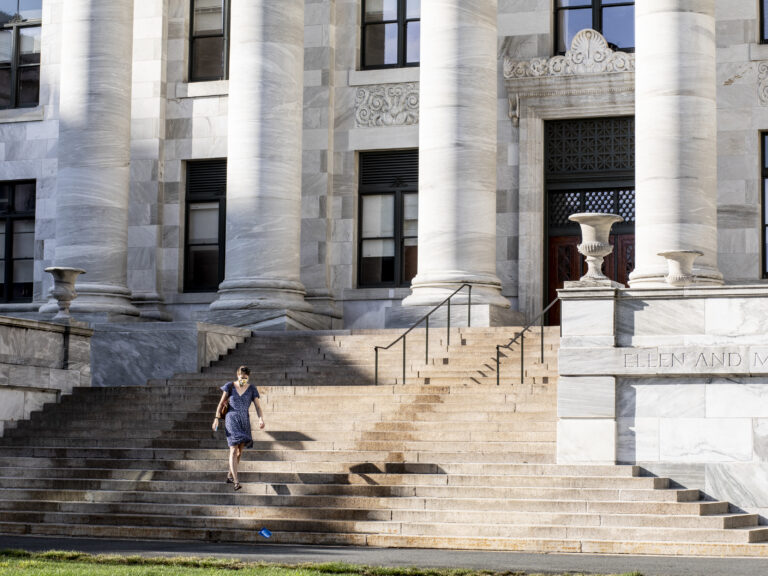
(586, 441)
(661, 398)
(705, 440)
(586, 397)
(744, 484)
(726, 399)
(666, 317)
(637, 439)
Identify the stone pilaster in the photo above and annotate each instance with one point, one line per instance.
(264, 161)
(676, 133)
(94, 153)
(457, 152)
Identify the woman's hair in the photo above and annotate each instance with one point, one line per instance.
(244, 370)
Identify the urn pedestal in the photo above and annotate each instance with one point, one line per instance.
(64, 290)
(595, 232)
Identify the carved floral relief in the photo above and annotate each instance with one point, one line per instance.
(387, 105)
(589, 54)
(762, 85)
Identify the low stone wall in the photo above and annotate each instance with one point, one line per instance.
(674, 380)
(129, 354)
(39, 362)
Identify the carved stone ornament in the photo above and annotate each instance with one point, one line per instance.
(589, 54)
(762, 86)
(387, 105)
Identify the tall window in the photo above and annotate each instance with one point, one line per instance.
(388, 249)
(20, 53)
(209, 40)
(765, 204)
(614, 19)
(763, 23)
(205, 225)
(391, 32)
(17, 240)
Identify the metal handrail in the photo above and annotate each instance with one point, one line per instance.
(425, 318)
(519, 335)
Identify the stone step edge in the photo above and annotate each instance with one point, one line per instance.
(460, 543)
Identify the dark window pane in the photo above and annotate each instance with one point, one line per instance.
(204, 223)
(573, 3)
(606, 2)
(413, 49)
(23, 239)
(208, 17)
(203, 268)
(410, 259)
(764, 11)
(570, 23)
(29, 45)
(379, 216)
(7, 10)
(380, 44)
(380, 10)
(410, 215)
(31, 9)
(378, 262)
(5, 87)
(6, 46)
(208, 58)
(2, 248)
(29, 86)
(619, 26)
(5, 200)
(24, 197)
(413, 9)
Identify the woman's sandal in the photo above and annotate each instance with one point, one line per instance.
(230, 480)
(237, 486)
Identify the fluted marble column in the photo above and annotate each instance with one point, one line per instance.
(264, 158)
(94, 152)
(676, 137)
(457, 152)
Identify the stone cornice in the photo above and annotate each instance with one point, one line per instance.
(387, 105)
(589, 54)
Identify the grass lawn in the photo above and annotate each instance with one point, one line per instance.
(56, 563)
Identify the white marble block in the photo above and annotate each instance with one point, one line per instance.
(586, 397)
(586, 441)
(705, 440)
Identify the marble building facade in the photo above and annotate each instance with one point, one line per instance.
(120, 120)
(346, 111)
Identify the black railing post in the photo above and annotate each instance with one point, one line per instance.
(498, 365)
(426, 342)
(403, 360)
(522, 357)
(448, 337)
(376, 367)
(469, 307)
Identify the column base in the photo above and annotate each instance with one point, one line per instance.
(151, 307)
(103, 302)
(249, 294)
(428, 290)
(482, 315)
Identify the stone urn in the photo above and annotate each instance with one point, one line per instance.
(64, 288)
(595, 231)
(680, 264)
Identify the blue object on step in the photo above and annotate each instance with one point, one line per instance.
(264, 532)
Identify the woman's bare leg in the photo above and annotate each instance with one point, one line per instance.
(233, 461)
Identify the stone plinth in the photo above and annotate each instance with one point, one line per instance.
(39, 362)
(264, 158)
(676, 138)
(129, 354)
(94, 154)
(457, 152)
(672, 379)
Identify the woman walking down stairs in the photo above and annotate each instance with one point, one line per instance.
(446, 460)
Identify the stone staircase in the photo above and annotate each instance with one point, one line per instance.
(447, 459)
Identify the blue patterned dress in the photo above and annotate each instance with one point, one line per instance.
(237, 421)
